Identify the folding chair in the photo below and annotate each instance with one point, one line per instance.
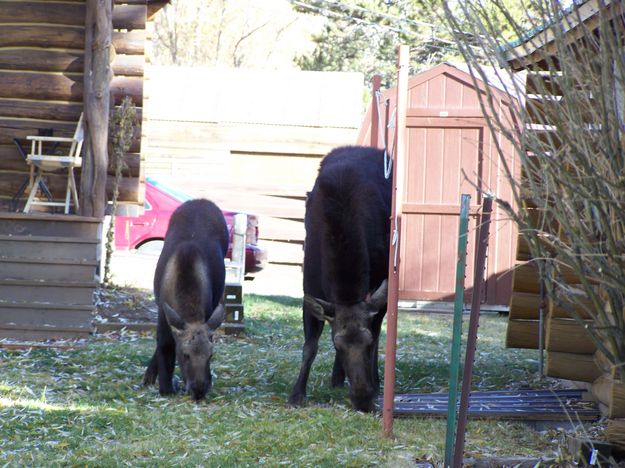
(53, 162)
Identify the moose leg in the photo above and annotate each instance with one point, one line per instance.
(312, 332)
(376, 325)
(149, 378)
(166, 358)
(338, 373)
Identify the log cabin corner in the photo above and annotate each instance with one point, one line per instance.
(59, 60)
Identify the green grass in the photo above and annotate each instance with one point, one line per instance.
(86, 406)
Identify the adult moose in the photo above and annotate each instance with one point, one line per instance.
(345, 269)
(188, 285)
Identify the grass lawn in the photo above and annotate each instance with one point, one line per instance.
(87, 407)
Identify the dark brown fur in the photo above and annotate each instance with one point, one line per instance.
(345, 261)
(188, 285)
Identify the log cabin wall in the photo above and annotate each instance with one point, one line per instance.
(41, 82)
(570, 352)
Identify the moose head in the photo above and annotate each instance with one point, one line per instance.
(354, 341)
(194, 348)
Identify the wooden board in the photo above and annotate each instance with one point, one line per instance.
(59, 248)
(56, 292)
(45, 225)
(47, 269)
(571, 366)
(526, 405)
(30, 334)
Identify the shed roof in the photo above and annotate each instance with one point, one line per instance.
(578, 19)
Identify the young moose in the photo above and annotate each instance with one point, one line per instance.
(188, 285)
(345, 269)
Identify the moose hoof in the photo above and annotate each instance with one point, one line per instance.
(149, 379)
(296, 400)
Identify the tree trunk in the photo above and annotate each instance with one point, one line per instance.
(97, 78)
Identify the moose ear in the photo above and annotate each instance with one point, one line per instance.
(173, 319)
(379, 297)
(320, 309)
(217, 317)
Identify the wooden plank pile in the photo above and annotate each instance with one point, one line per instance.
(48, 273)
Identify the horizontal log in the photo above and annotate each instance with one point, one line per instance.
(57, 36)
(129, 16)
(11, 160)
(542, 83)
(20, 129)
(10, 182)
(155, 6)
(61, 87)
(571, 366)
(129, 65)
(43, 86)
(522, 249)
(575, 304)
(611, 393)
(42, 12)
(525, 306)
(40, 110)
(132, 162)
(522, 334)
(129, 42)
(525, 278)
(615, 432)
(568, 336)
(41, 60)
(122, 86)
(604, 364)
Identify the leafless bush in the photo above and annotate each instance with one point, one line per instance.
(570, 202)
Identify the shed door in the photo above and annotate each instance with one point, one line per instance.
(444, 160)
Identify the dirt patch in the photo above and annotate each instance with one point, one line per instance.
(125, 304)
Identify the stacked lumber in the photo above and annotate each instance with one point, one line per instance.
(48, 275)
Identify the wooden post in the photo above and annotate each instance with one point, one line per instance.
(97, 79)
(375, 111)
(393, 267)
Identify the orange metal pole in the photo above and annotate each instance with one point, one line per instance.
(375, 110)
(393, 268)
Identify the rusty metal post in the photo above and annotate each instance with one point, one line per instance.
(474, 319)
(375, 111)
(393, 267)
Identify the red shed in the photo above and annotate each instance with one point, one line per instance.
(449, 151)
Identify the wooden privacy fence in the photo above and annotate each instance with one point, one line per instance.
(250, 140)
(449, 151)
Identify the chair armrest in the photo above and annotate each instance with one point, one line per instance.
(53, 139)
